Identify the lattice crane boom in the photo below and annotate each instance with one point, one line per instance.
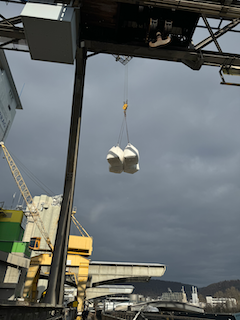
(26, 195)
(80, 228)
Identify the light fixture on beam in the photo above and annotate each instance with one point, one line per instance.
(229, 70)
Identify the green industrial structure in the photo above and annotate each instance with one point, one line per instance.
(14, 254)
(12, 226)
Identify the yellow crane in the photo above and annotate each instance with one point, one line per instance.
(35, 241)
(27, 196)
(79, 248)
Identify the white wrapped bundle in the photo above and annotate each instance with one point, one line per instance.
(131, 169)
(115, 156)
(117, 169)
(131, 155)
(131, 158)
(115, 159)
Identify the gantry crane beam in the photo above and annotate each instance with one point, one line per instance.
(195, 58)
(9, 28)
(217, 34)
(211, 9)
(12, 36)
(227, 9)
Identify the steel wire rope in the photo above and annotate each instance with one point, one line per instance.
(38, 182)
(125, 84)
(125, 116)
(31, 176)
(126, 98)
(121, 133)
(125, 105)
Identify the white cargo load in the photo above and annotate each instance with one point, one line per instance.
(126, 160)
(131, 169)
(131, 155)
(115, 159)
(116, 169)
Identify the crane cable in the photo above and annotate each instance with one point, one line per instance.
(31, 176)
(125, 106)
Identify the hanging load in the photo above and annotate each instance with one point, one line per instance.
(131, 169)
(131, 155)
(126, 160)
(131, 158)
(115, 159)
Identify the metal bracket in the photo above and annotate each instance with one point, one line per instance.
(123, 59)
(229, 70)
(197, 64)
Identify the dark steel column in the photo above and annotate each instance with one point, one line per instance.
(55, 288)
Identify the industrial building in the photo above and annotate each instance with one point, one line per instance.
(24, 273)
(49, 210)
(14, 253)
(227, 302)
(16, 229)
(9, 98)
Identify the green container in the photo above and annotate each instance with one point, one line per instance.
(11, 231)
(6, 246)
(15, 247)
(21, 247)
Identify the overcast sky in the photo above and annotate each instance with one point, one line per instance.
(182, 208)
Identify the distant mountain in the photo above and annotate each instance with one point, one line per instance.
(154, 288)
(219, 286)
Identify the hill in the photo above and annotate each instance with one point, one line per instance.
(219, 286)
(154, 288)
